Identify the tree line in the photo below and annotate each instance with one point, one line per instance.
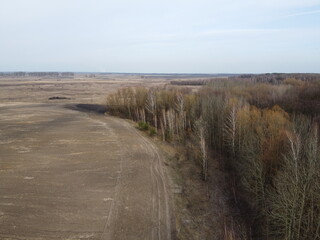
(269, 143)
(36, 74)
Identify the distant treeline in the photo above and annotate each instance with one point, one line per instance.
(195, 82)
(277, 78)
(36, 74)
(272, 78)
(190, 83)
(184, 76)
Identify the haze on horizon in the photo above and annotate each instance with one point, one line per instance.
(203, 36)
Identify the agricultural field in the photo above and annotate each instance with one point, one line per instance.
(67, 171)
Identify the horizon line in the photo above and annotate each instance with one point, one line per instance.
(162, 73)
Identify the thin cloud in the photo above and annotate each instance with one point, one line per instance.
(286, 3)
(238, 31)
(177, 37)
(303, 13)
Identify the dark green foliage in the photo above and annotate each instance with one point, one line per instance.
(152, 131)
(144, 126)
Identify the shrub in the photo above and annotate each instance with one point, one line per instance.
(144, 126)
(152, 131)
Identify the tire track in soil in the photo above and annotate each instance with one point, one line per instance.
(65, 198)
(159, 176)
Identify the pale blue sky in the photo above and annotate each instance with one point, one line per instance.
(172, 36)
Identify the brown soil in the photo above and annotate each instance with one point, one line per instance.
(70, 173)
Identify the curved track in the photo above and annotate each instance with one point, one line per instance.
(66, 174)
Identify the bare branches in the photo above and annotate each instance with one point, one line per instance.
(202, 135)
(230, 129)
(274, 157)
(295, 203)
(151, 106)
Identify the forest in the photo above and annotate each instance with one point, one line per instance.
(267, 133)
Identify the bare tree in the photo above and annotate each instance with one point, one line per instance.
(151, 106)
(295, 201)
(202, 134)
(181, 121)
(230, 128)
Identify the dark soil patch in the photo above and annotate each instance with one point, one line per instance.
(96, 108)
(57, 98)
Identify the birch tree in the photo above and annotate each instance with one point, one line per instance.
(151, 106)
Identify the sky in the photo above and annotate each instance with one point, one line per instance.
(164, 36)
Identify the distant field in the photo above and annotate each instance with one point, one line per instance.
(82, 88)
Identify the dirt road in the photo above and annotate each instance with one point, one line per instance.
(67, 174)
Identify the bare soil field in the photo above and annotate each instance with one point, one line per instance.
(69, 172)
